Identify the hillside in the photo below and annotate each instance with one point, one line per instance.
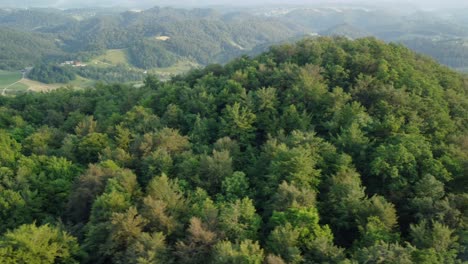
(33, 48)
(33, 19)
(122, 46)
(452, 52)
(326, 151)
(345, 30)
(162, 38)
(422, 31)
(201, 35)
(204, 35)
(10, 83)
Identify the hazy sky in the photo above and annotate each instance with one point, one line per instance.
(426, 4)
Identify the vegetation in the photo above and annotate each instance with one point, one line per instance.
(112, 74)
(9, 78)
(33, 49)
(32, 19)
(327, 151)
(10, 83)
(449, 52)
(112, 57)
(112, 39)
(47, 73)
(149, 54)
(162, 37)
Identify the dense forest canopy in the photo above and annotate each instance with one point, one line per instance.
(52, 74)
(326, 151)
(33, 48)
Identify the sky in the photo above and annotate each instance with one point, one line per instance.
(425, 4)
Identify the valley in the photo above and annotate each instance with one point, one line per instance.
(114, 45)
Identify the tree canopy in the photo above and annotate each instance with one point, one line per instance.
(325, 151)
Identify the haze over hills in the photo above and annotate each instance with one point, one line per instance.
(168, 41)
(153, 38)
(425, 4)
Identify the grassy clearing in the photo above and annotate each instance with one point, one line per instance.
(178, 68)
(119, 56)
(10, 83)
(15, 89)
(8, 78)
(40, 87)
(78, 83)
(81, 82)
(111, 58)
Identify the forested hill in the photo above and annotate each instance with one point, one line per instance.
(163, 37)
(327, 151)
(157, 37)
(33, 19)
(22, 49)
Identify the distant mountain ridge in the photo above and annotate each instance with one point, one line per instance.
(346, 30)
(203, 35)
(162, 36)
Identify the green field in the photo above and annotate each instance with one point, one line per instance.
(178, 68)
(14, 83)
(111, 57)
(81, 82)
(8, 82)
(7, 78)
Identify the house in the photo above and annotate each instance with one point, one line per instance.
(78, 64)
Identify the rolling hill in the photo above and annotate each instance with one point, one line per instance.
(324, 151)
(163, 38)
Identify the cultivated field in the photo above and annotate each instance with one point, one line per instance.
(178, 68)
(38, 86)
(10, 83)
(79, 83)
(111, 57)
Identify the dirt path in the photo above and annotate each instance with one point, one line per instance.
(6, 87)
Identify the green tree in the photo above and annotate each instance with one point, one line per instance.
(42, 245)
(239, 220)
(89, 186)
(214, 169)
(235, 186)
(125, 229)
(342, 203)
(291, 196)
(91, 146)
(315, 241)
(14, 210)
(435, 239)
(238, 123)
(198, 245)
(374, 232)
(383, 253)
(10, 149)
(246, 252)
(46, 183)
(149, 249)
(117, 198)
(164, 205)
(284, 242)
